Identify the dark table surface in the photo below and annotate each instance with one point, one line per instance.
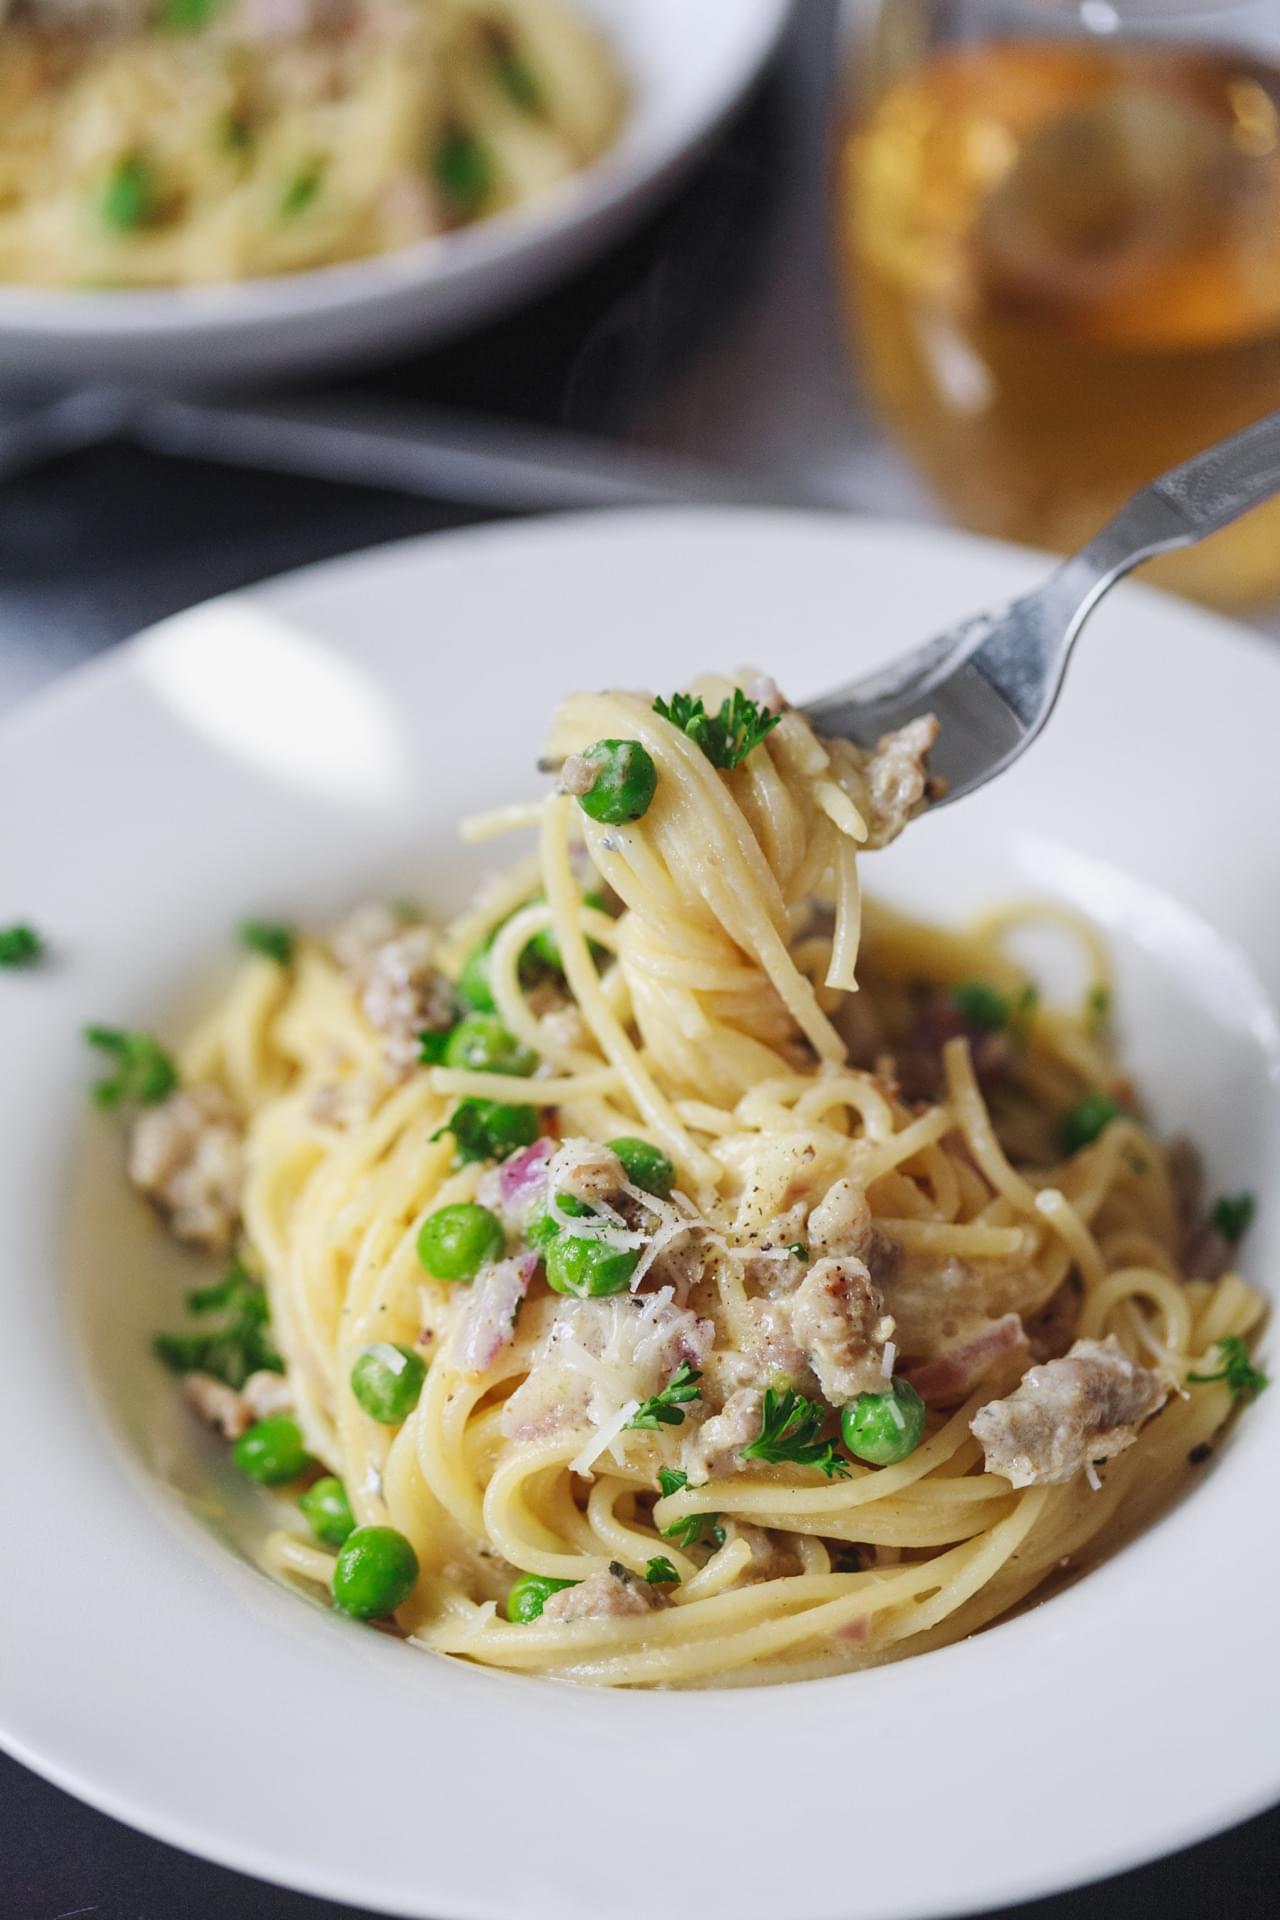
(710, 332)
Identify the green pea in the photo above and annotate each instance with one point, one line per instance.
(473, 981)
(455, 1242)
(625, 782)
(481, 1044)
(1087, 1120)
(530, 1595)
(375, 1573)
(272, 1451)
(884, 1427)
(387, 1380)
(645, 1166)
(490, 1129)
(588, 1268)
(327, 1510)
(543, 1227)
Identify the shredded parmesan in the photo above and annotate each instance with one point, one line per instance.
(583, 1461)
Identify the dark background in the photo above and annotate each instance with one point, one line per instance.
(709, 334)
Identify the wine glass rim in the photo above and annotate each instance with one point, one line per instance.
(1108, 16)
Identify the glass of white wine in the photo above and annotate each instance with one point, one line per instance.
(1059, 239)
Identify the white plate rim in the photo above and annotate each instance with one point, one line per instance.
(1179, 1825)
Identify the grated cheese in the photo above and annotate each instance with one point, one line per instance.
(605, 1436)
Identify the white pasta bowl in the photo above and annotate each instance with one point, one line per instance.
(290, 748)
(685, 68)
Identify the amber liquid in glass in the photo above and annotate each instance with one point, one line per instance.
(1063, 268)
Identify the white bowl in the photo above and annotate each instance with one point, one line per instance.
(283, 750)
(685, 66)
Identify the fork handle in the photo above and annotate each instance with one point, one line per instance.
(1192, 501)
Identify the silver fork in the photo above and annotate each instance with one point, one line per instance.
(992, 681)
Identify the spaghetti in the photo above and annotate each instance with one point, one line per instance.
(185, 141)
(886, 1310)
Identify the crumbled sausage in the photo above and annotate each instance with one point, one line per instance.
(263, 1394)
(838, 1317)
(601, 1595)
(217, 1404)
(405, 996)
(578, 775)
(897, 783)
(1085, 1407)
(267, 1393)
(390, 966)
(715, 1447)
(186, 1155)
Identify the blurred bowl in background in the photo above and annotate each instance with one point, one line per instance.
(685, 69)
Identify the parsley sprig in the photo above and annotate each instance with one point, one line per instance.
(696, 1529)
(269, 937)
(1233, 1215)
(660, 1573)
(666, 1409)
(240, 1345)
(143, 1070)
(726, 737)
(789, 1427)
(1237, 1369)
(20, 946)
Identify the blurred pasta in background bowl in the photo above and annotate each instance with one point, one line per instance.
(160, 143)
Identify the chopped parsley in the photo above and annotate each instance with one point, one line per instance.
(143, 1070)
(131, 197)
(489, 1129)
(726, 737)
(798, 1250)
(666, 1409)
(696, 1529)
(187, 16)
(302, 189)
(1087, 1120)
(431, 1046)
(463, 173)
(516, 77)
(269, 937)
(1237, 1369)
(240, 1345)
(789, 1427)
(660, 1572)
(20, 946)
(981, 1005)
(1233, 1215)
